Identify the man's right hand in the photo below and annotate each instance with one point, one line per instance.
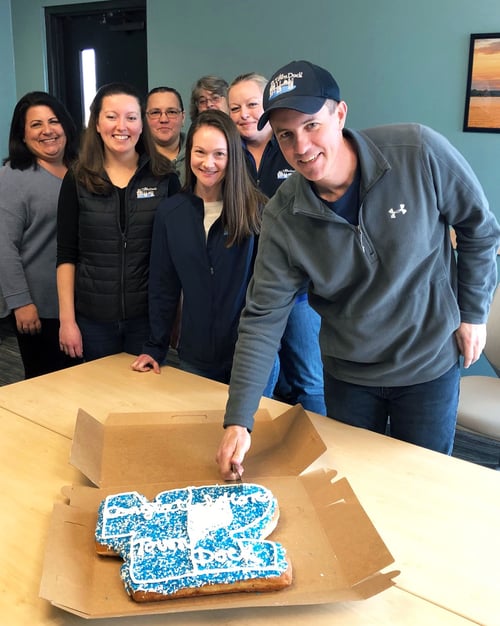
(232, 449)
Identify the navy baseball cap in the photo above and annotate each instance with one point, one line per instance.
(301, 86)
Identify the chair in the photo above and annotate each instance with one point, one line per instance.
(479, 405)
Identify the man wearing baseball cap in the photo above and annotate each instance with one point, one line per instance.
(364, 223)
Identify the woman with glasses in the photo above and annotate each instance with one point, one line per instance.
(209, 92)
(106, 210)
(165, 117)
(204, 243)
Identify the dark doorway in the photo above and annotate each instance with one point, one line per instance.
(115, 30)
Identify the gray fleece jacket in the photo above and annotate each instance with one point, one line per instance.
(390, 291)
(28, 210)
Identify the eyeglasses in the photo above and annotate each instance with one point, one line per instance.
(155, 114)
(215, 99)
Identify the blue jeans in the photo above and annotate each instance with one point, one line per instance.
(223, 374)
(105, 338)
(424, 414)
(301, 373)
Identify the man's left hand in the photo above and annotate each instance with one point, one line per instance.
(471, 339)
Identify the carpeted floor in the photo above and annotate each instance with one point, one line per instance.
(477, 449)
(468, 446)
(11, 366)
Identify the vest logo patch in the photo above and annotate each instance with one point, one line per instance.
(146, 192)
(283, 174)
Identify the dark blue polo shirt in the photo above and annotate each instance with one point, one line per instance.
(273, 170)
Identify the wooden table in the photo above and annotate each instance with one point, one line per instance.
(439, 516)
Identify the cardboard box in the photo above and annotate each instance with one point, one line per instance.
(336, 552)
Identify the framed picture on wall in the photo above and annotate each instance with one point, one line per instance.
(482, 98)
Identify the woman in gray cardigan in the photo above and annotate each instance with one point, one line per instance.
(42, 144)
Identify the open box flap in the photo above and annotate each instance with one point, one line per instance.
(87, 447)
(162, 447)
(357, 544)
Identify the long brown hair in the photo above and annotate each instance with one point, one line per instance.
(242, 202)
(89, 169)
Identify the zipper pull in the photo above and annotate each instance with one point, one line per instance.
(361, 238)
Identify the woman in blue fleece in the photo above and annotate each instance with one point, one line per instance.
(204, 245)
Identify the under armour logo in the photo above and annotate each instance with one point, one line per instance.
(401, 210)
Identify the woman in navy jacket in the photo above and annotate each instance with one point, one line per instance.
(204, 245)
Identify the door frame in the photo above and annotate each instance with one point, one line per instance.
(54, 25)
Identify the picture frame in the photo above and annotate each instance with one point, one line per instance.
(482, 99)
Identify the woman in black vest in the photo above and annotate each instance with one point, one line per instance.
(105, 218)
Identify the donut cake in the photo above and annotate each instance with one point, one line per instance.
(194, 541)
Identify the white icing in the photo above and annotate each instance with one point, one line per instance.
(206, 516)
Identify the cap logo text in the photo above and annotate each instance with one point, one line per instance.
(283, 83)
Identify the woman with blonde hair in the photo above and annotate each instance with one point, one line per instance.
(301, 367)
